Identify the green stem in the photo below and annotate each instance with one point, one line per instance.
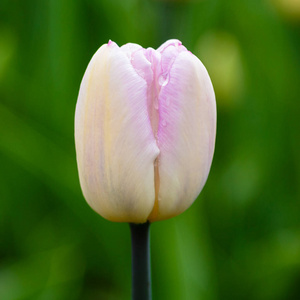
(141, 270)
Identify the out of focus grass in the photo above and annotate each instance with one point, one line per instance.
(241, 238)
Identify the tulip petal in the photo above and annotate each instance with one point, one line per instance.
(186, 135)
(115, 145)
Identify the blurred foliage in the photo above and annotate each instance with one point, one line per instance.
(240, 240)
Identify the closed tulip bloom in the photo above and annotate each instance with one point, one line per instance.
(145, 126)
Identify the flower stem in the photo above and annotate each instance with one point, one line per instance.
(141, 270)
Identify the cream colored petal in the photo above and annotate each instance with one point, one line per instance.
(115, 145)
(186, 135)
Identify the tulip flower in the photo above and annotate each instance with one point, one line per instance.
(145, 128)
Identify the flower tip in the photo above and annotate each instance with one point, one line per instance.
(175, 42)
(111, 44)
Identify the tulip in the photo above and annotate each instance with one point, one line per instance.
(145, 128)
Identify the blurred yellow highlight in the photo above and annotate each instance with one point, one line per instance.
(220, 53)
(290, 9)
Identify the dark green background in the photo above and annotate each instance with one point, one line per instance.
(240, 239)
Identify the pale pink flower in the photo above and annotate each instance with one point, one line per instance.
(145, 128)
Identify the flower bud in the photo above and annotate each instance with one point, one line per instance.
(145, 126)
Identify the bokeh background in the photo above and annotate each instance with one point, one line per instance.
(239, 240)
